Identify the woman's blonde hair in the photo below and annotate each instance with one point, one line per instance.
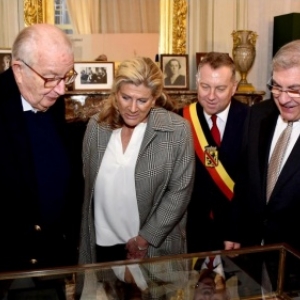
(137, 71)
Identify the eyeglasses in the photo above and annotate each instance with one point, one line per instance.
(276, 90)
(53, 82)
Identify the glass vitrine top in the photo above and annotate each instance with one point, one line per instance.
(250, 273)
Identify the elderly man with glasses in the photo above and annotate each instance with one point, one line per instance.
(266, 204)
(40, 176)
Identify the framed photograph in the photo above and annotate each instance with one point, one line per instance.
(176, 71)
(94, 75)
(5, 59)
(199, 56)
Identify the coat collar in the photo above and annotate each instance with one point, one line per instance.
(159, 119)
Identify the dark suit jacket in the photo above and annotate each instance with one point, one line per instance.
(19, 210)
(255, 220)
(204, 233)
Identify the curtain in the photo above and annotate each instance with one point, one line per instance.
(129, 16)
(84, 15)
(114, 16)
(211, 22)
(11, 21)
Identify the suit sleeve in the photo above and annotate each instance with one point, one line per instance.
(173, 205)
(234, 230)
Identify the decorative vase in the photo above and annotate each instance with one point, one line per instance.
(243, 54)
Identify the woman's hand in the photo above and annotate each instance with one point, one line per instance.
(137, 248)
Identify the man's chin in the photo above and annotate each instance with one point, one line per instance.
(289, 115)
(211, 110)
(48, 102)
(44, 106)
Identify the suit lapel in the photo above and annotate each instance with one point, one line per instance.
(265, 140)
(266, 133)
(103, 136)
(289, 169)
(158, 120)
(235, 120)
(205, 126)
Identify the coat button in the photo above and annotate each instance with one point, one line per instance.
(33, 261)
(37, 228)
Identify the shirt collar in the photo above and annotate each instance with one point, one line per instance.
(27, 106)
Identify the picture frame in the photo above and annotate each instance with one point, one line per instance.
(5, 59)
(180, 80)
(199, 56)
(94, 75)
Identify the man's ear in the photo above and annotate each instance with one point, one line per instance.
(17, 70)
(235, 86)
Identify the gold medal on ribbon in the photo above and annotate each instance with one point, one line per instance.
(211, 157)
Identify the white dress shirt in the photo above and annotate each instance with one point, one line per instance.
(115, 203)
(221, 120)
(27, 106)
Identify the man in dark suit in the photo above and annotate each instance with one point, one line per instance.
(263, 213)
(216, 161)
(40, 183)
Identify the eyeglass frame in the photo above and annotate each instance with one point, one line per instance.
(291, 93)
(58, 79)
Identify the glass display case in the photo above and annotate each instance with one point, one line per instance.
(269, 272)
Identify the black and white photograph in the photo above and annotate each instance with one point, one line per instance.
(175, 69)
(94, 75)
(5, 59)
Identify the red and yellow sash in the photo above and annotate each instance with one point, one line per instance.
(218, 173)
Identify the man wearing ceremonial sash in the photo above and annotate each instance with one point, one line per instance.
(217, 121)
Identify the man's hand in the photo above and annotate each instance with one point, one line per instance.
(231, 245)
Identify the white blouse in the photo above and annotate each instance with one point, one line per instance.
(115, 203)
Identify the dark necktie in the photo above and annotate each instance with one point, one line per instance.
(217, 270)
(210, 263)
(215, 130)
(277, 157)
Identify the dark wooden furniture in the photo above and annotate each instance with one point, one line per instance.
(250, 98)
(80, 105)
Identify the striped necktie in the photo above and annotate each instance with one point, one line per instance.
(277, 157)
